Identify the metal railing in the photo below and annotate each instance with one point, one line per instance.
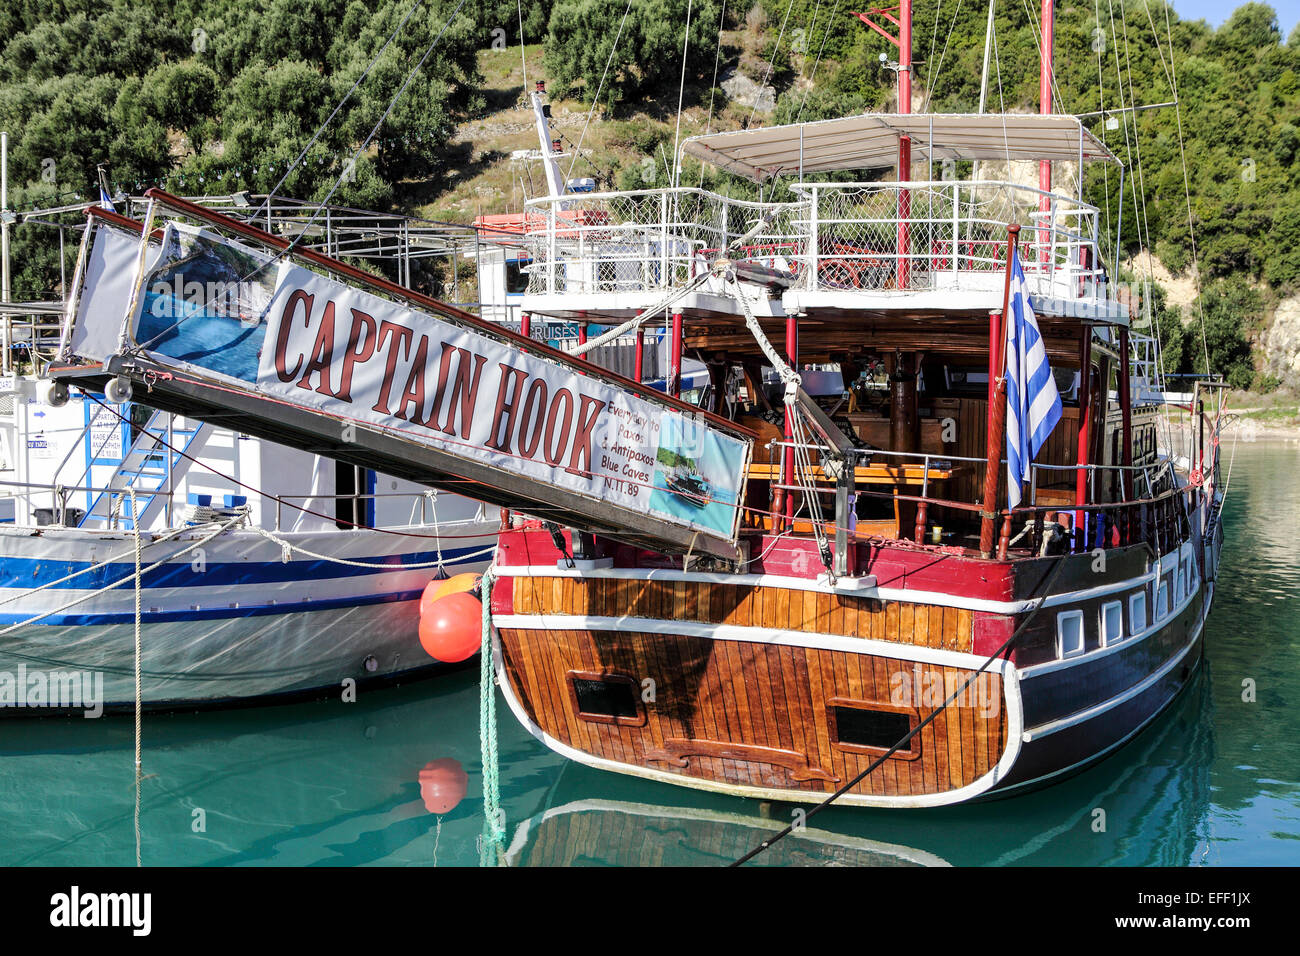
(1155, 510)
(837, 236)
(27, 492)
(423, 502)
(648, 240)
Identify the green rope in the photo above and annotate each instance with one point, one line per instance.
(492, 843)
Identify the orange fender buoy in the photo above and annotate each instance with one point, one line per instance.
(451, 630)
(443, 784)
(454, 585)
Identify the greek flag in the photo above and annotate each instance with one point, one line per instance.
(1033, 403)
(104, 200)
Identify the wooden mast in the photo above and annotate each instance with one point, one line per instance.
(997, 408)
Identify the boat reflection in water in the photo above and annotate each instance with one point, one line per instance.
(393, 779)
(616, 833)
(1154, 804)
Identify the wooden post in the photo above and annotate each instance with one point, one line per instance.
(904, 421)
(787, 463)
(1004, 540)
(997, 416)
(922, 518)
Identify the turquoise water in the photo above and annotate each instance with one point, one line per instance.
(1215, 782)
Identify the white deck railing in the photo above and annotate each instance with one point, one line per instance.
(868, 237)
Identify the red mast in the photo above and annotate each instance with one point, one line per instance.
(1045, 95)
(904, 44)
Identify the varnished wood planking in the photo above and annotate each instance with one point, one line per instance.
(824, 612)
(725, 706)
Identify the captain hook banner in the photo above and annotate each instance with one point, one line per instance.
(226, 311)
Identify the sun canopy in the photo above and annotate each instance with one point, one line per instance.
(870, 140)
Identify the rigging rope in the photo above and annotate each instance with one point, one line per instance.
(812, 78)
(929, 91)
(599, 86)
(717, 55)
(771, 62)
(329, 119)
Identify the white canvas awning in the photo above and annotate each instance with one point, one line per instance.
(870, 140)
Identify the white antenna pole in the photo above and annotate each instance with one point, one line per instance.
(984, 76)
(550, 155)
(4, 221)
(681, 92)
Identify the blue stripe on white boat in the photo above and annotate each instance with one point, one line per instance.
(27, 573)
(215, 613)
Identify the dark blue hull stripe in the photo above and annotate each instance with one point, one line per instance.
(33, 572)
(214, 613)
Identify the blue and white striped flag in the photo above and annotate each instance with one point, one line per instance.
(104, 199)
(1033, 403)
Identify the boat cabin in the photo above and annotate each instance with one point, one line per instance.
(889, 295)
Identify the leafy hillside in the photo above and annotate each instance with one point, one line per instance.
(220, 95)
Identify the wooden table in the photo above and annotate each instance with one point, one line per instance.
(873, 474)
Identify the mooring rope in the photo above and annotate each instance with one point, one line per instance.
(286, 545)
(135, 524)
(494, 817)
(956, 695)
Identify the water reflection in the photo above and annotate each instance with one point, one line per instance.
(395, 778)
(1153, 802)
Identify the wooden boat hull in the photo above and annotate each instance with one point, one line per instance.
(744, 684)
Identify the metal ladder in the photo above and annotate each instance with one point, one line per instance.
(151, 468)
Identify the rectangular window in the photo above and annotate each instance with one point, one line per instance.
(1137, 613)
(516, 277)
(1112, 623)
(861, 727)
(1162, 600)
(1069, 634)
(606, 698)
(1180, 590)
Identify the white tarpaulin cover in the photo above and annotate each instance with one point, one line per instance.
(870, 141)
(227, 311)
